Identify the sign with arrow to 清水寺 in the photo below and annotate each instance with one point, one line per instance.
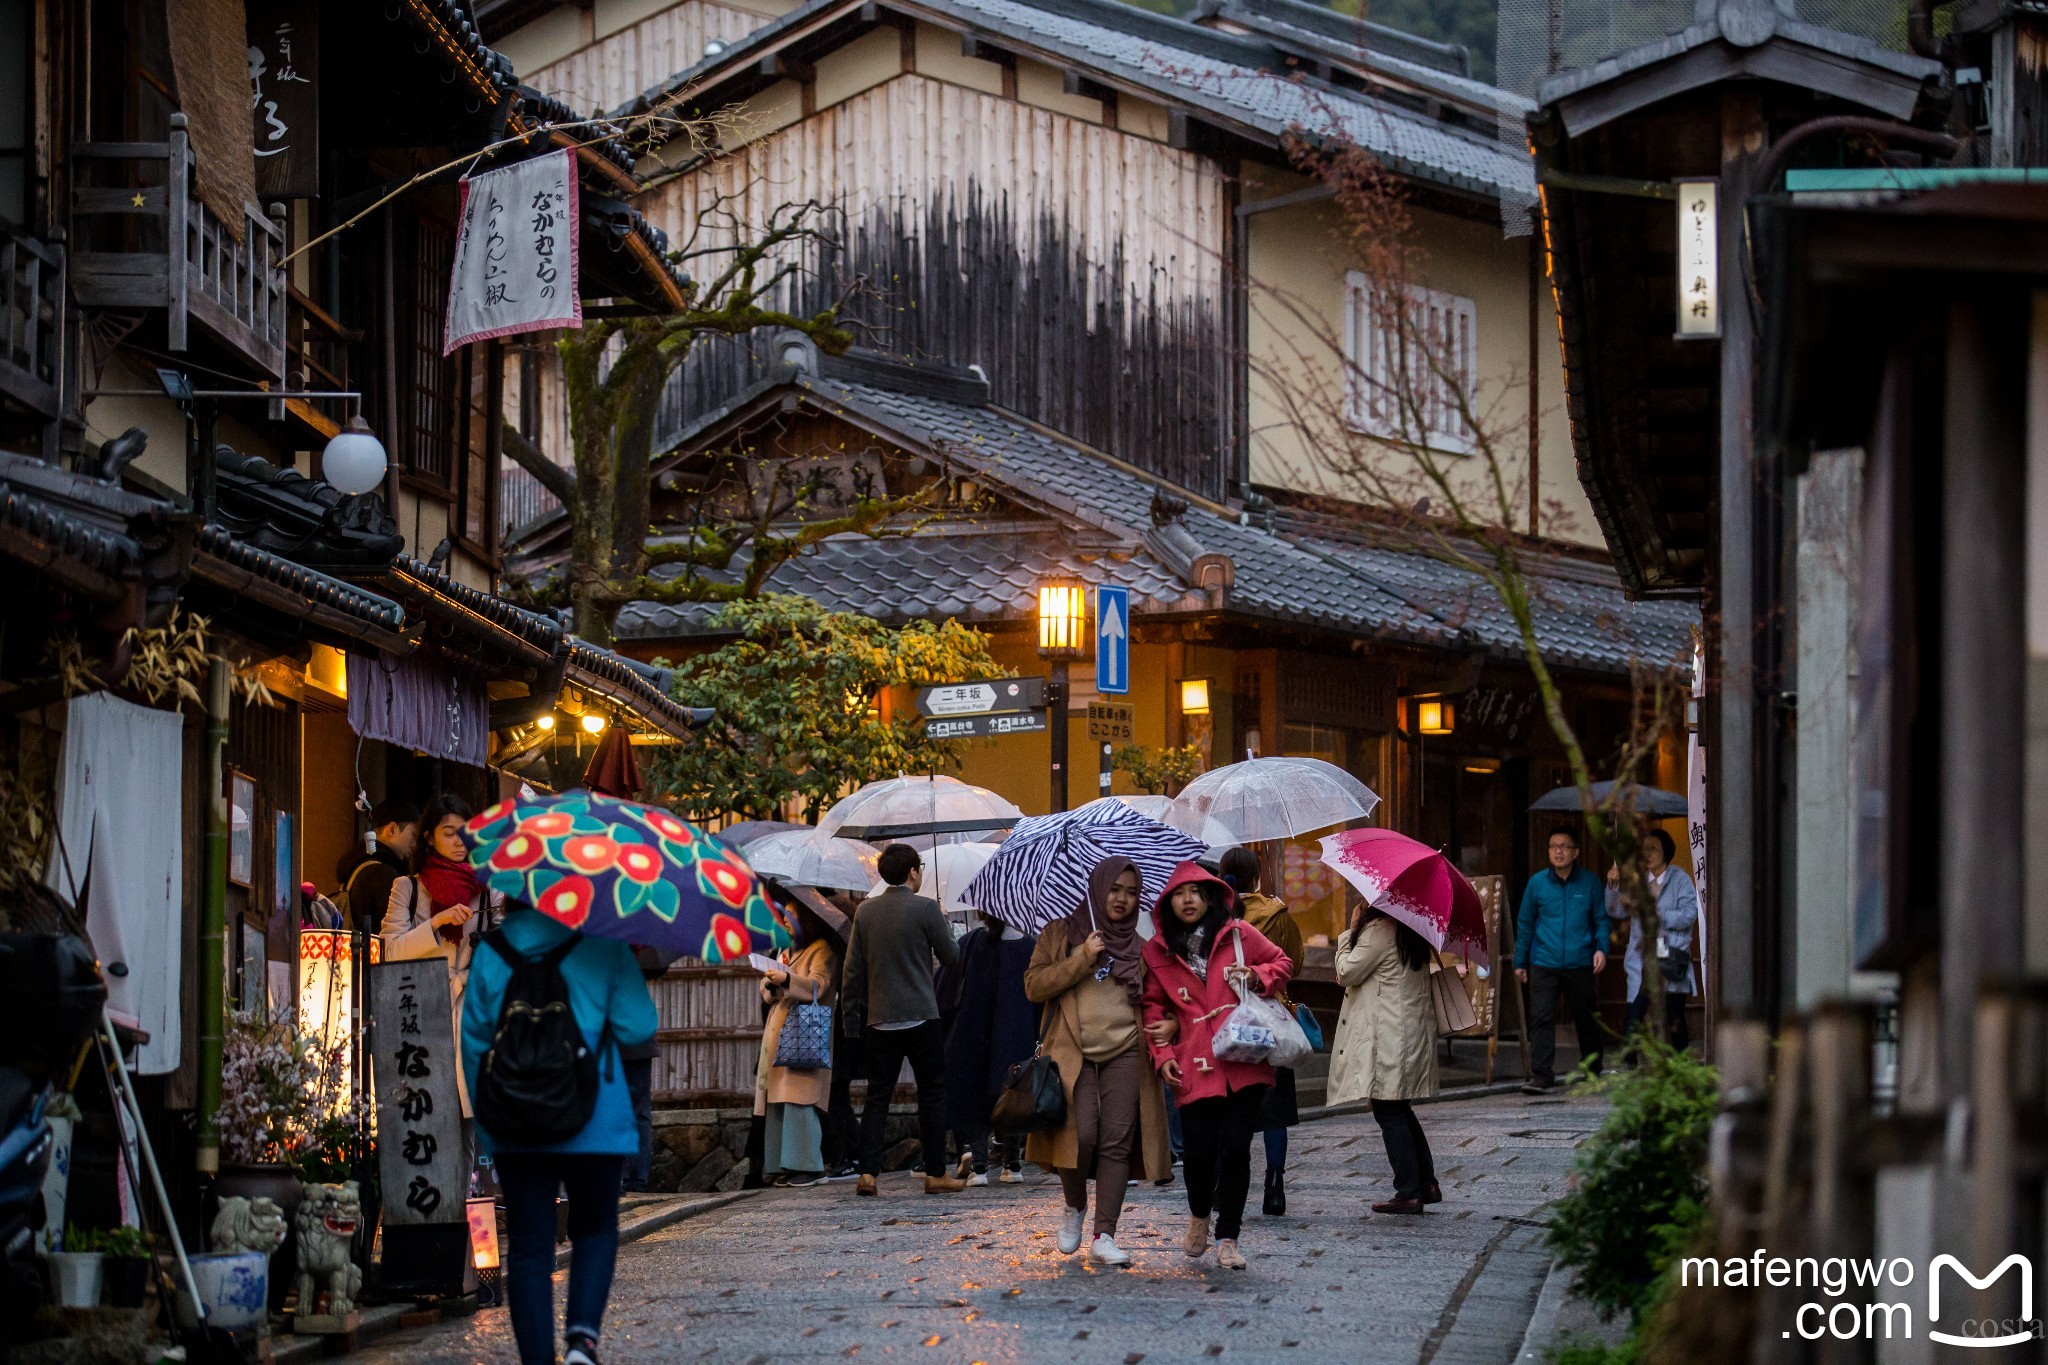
(1113, 640)
(986, 726)
(996, 695)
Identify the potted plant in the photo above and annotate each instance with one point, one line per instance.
(287, 1117)
(125, 1265)
(75, 1271)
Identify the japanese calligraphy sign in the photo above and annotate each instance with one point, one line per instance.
(1699, 259)
(516, 258)
(419, 1115)
(284, 96)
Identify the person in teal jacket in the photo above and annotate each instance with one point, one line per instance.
(1560, 946)
(605, 988)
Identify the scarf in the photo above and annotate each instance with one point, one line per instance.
(448, 883)
(1120, 942)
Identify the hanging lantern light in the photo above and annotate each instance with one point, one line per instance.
(354, 461)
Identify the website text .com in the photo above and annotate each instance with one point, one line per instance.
(1887, 1314)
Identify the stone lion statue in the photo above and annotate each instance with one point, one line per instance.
(327, 1220)
(244, 1224)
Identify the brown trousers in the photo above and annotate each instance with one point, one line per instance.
(1106, 1127)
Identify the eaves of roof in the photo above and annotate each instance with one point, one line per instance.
(83, 556)
(294, 590)
(1242, 83)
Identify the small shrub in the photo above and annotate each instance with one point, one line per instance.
(1586, 1351)
(1640, 1192)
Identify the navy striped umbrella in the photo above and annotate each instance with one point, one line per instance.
(1040, 873)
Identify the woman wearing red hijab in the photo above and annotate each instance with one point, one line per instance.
(441, 910)
(1192, 972)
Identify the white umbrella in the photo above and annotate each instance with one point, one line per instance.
(1153, 807)
(804, 857)
(917, 805)
(1270, 798)
(947, 871)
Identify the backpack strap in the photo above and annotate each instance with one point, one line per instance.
(502, 946)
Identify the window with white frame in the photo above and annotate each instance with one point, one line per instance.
(1409, 376)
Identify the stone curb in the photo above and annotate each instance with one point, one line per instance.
(1542, 1333)
(1463, 1092)
(654, 1222)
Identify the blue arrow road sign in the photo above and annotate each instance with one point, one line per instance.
(1113, 640)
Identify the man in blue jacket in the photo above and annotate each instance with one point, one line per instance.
(1560, 946)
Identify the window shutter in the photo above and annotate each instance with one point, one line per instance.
(1431, 364)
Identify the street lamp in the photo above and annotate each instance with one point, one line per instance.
(1434, 715)
(1062, 637)
(1194, 696)
(354, 461)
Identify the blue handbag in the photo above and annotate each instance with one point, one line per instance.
(1306, 1017)
(806, 1041)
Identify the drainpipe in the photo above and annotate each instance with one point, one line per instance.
(213, 903)
(1920, 28)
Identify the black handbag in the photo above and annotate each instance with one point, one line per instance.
(1676, 965)
(1034, 1098)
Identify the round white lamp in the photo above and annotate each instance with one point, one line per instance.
(354, 461)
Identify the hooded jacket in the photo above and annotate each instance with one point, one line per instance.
(1172, 990)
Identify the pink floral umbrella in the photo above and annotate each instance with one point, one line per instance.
(1413, 883)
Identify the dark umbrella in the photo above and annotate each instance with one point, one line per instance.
(809, 902)
(746, 831)
(613, 770)
(1654, 802)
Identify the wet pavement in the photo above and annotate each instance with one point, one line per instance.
(816, 1274)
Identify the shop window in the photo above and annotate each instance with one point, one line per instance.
(1411, 363)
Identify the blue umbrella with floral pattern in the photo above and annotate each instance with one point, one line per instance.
(618, 869)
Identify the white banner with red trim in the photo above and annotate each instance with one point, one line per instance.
(516, 256)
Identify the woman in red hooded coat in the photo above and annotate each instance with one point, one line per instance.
(1192, 972)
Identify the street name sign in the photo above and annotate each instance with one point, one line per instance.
(982, 698)
(982, 727)
(1112, 640)
(1112, 722)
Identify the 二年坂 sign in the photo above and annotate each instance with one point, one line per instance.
(516, 258)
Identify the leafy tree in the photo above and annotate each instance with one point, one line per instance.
(615, 369)
(800, 706)
(1156, 770)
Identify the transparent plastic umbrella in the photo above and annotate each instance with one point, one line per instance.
(899, 806)
(948, 869)
(1270, 798)
(804, 857)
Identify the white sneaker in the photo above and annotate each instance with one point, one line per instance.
(1105, 1250)
(977, 1178)
(1070, 1231)
(1011, 1177)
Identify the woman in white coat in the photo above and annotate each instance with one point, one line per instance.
(1678, 910)
(1385, 1048)
(442, 909)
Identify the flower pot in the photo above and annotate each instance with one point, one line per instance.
(278, 1182)
(75, 1278)
(127, 1280)
(234, 1287)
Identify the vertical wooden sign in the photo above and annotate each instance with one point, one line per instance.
(421, 1157)
(284, 97)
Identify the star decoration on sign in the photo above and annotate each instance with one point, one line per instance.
(137, 200)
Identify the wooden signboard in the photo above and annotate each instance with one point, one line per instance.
(1491, 985)
(284, 97)
(420, 1152)
(1112, 722)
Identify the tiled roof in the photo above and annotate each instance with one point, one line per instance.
(103, 551)
(311, 584)
(1240, 80)
(1308, 571)
(423, 584)
(641, 688)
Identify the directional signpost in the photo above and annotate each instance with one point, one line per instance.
(976, 710)
(1112, 640)
(981, 727)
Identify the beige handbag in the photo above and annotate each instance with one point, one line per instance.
(1453, 1006)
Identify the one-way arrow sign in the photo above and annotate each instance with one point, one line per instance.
(981, 698)
(1112, 640)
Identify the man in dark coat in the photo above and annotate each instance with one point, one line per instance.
(992, 1026)
(366, 874)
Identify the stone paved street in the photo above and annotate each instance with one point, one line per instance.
(814, 1274)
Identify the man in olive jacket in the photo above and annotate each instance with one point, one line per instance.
(888, 980)
(1560, 946)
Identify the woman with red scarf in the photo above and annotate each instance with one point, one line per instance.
(442, 909)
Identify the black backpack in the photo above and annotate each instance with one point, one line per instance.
(537, 1086)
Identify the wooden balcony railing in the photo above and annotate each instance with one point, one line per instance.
(142, 240)
(31, 321)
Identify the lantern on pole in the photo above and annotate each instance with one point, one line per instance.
(329, 1009)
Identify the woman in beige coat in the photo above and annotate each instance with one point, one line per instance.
(793, 1100)
(1386, 1045)
(1088, 974)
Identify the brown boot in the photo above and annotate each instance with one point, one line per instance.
(1432, 1193)
(1399, 1206)
(865, 1185)
(943, 1184)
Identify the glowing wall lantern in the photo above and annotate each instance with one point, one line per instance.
(483, 1233)
(1434, 716)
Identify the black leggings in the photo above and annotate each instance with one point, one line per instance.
(1407, 1147)
(1216, 1140)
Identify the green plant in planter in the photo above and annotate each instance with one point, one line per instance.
(124, 1243)
(1640, 1188)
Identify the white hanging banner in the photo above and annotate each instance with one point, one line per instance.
(516, 255)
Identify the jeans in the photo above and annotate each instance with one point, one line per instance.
(640, 1086)
(1407, 1147)
(924, 1047)
(1218, 1160)
(1676, 1030)
(1575, 984)
(1276, 1149)
(1173, 1135)
(529, 1180)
